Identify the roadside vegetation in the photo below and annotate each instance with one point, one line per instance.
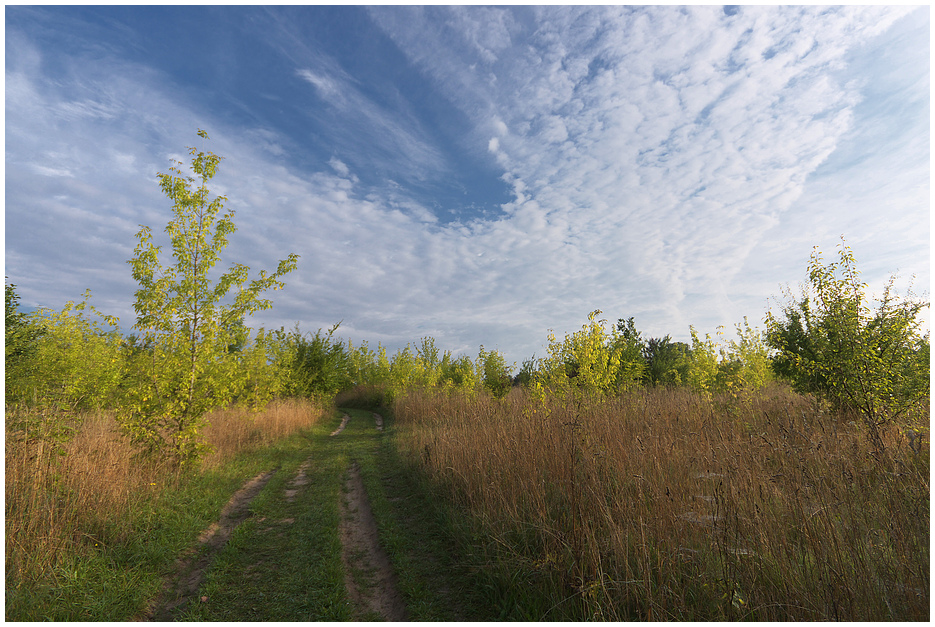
(777, 474)
(92, 527)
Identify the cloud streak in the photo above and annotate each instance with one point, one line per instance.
(672, 164)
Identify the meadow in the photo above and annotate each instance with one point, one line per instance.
(660, 504)
(781, 475)
(653, 504)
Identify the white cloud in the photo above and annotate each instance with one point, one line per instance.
(656, 157)
(47, 171)
(688, 131)
(339, 166)
(327, 87)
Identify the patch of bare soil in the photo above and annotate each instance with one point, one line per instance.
(343, 424)
(371, 582)
(182, 585)
(298, 481)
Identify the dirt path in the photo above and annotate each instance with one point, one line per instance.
(343, 424)
(189, 572)
(369, 576)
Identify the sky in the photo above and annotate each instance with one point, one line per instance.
(479, 175)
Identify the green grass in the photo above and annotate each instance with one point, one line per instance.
(417, 533)
(117, 572)
(284, 562)
(292, 571)
(116, 575)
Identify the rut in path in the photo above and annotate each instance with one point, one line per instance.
(368, 574)
(190, 569)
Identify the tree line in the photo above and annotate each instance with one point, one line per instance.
(191, 349)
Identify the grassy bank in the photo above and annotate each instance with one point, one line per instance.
(661, 505)
(91, 528)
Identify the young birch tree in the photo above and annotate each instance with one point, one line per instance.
(187, 320)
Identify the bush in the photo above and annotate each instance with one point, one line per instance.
(832, 342)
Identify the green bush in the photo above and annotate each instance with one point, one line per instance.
(832, 341)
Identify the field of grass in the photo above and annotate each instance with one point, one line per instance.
(661, 505)
(656, 505)
(91, 527)
(118, 528)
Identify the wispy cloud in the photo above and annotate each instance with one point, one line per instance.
(675, 164)
(327, 87)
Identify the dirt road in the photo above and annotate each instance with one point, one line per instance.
(369, 579)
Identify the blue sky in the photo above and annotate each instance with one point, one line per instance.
(480, 175)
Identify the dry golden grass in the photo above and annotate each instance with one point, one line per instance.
(661, 505)
(233, 430)
(60, 499)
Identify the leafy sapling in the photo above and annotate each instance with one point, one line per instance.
(187, 319)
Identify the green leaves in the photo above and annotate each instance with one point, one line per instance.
(586, 361)
(833, 342)
(187, 322)
(496, 373)
(74, 362)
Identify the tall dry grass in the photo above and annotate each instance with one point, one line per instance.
(66, 499)
(235, 430)
(661, 505)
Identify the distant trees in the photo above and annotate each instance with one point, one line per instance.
(20, 347)
(586, 361)
(666, 361)
(193, 350)
(496, 373)
(60, 360)
(619, 360)
(316, 366)
(633, 367)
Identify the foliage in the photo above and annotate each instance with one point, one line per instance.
(703, 369)
(260, 370)
(77, 357)
(361, 363)
(20, 348)
(831, 341)
(632, 361)
(457, 373)
(588, 360)
(527, 372)
(496, 373)
(60, 364)
(318, 366)
(183, 318)
(667, 362)
(427, 358)
(745, 362)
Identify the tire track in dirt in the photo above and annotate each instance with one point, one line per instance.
(369, 576)
(343, 424)
(182, 585)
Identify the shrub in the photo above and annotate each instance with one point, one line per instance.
(831, 341)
